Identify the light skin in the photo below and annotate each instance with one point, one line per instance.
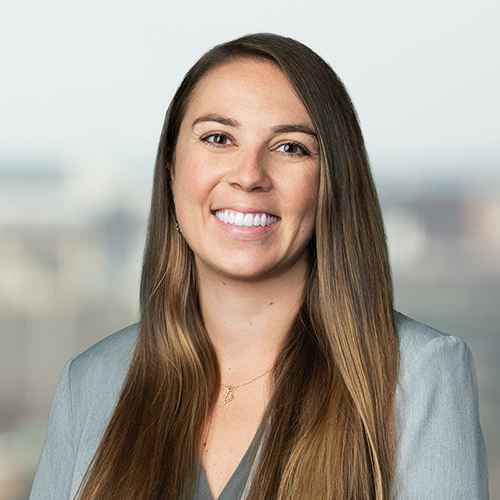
(246, 146)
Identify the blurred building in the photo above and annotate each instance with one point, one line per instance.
(69, 275)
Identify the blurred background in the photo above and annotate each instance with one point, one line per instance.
(84, 88)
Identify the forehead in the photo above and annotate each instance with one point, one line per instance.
(248, 84)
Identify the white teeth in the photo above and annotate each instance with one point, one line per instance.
(248, 220)
(245, 220)
(239, 219)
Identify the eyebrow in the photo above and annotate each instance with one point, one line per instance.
(299, 127)
(223, 120)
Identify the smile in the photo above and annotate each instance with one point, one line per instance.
(245, 220)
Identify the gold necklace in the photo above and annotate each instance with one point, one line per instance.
(229, 396)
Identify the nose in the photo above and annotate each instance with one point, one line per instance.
(250, 171)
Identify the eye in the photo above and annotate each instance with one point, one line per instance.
(217, 139)
(293, 149)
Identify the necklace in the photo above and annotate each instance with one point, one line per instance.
(229, 396)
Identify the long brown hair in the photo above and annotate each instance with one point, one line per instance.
(331, 422)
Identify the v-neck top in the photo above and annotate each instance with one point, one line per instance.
(235, 487)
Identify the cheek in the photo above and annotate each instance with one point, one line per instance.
(310, 205)
(185, 179)
(193, 186)
(304, 195)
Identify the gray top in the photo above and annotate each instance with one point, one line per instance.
(235, 487)
(441, 452)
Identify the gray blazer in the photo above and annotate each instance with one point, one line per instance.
(441, 453)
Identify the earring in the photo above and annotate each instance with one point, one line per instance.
(177, 227)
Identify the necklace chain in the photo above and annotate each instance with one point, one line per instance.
(229, 395)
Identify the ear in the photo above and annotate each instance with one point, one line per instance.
(171, 170)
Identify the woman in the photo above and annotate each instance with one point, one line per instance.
(269, 362)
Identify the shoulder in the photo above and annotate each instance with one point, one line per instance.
(434, 368)
(85, 398)
(440, 353)
(441, 449)
(109, 359)
(414, 337)
(95, 378)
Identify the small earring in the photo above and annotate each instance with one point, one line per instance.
(177, 227)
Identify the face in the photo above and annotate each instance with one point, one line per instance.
(246, 173)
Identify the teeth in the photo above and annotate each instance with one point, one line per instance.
(248, 220)
(239, 219)
(245, 220)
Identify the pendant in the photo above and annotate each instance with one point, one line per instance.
(229, 396)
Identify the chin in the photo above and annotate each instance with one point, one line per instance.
(247, 274)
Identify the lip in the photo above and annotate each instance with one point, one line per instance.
(244, 209)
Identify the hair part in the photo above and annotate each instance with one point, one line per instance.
(331, 422)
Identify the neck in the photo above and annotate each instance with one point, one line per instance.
(247, 321)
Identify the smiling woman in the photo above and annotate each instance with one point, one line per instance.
(269, 362)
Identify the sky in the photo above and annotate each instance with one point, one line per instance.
(90, 81)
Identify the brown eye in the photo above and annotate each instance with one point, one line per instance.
(218, 139)
(292, 148)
